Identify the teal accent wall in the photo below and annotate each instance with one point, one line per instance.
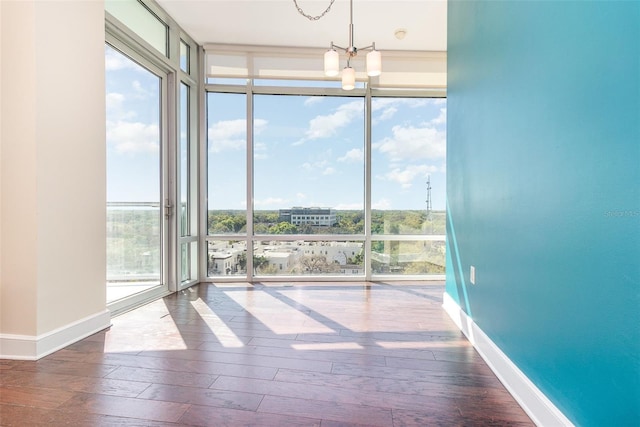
(543, 189)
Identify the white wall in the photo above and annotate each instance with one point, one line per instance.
(19, 206)
(53, 176)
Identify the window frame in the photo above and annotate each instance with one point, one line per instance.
(124, 39)
(249, 90)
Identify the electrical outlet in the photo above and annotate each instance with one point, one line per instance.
(472, 275)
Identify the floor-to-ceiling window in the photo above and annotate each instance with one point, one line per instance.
(226, 183)
(152, 88)
(187, 166)
(308, 196)
(408, 153)
(135, 221)
(295, 179)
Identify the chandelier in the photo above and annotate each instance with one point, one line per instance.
(332, 57)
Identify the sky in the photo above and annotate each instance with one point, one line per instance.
(308, 150)
(133, 130)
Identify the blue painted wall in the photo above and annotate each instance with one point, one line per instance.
(543, 188)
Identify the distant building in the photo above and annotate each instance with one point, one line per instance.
(324, 217)
(335, 252)
(224, 258)
(282, 261)
(351, 269)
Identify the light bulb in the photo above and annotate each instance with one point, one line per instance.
(348, 78)
(374, 63)
(331, 63)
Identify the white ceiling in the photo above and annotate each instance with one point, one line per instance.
(278, 23)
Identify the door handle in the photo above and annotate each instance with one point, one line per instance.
(168, 209)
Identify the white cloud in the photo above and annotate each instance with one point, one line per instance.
(441, 119)
(259, 125)
(413, 143)
(311, 166)
(227, 135)
(381, 204)
(114, 61)
(378, 104)
(325, 126)
(114, 100)
(387, 113)
(406, 176)
(260, 151)
(301, 196)
(312, 100)
(329, 171)
(271, 201)
(355, 155)
(141, 92)
(115, 111)
(231, 134)
(136, 86)
(133, 137)
(348, 206)
(388, 107)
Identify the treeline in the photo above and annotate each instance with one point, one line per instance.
(349, 222)
(133, 241)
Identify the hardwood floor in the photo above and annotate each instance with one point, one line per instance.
(286, 354)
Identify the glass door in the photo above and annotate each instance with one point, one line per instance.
(138, 205)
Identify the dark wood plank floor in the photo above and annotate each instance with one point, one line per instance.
(294, 354)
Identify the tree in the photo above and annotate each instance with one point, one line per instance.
(350, 222)
(242, 261)
(423, 267)
(377, 246)
(316, 264)
(219, 222)
(306, 229)
(269, 269)
(259, 262)
(283, 228)
(358, 259)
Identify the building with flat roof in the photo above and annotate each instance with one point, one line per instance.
(324, 217)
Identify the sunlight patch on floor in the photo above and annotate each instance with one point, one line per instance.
(220, 329)
(328, 346)
(278, 316)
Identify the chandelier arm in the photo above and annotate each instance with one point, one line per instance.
(335, 46)
(313, 18)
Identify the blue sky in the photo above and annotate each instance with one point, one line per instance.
(133, 131)
(308, 151)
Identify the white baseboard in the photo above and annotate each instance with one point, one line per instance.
(29, 347)
(539, 408)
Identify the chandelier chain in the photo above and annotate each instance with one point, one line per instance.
(313, 18)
